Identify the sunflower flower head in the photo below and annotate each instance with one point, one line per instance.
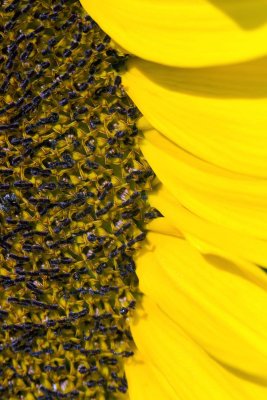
(77, 319)
(73, 206)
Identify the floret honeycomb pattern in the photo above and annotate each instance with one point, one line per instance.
(73, 205)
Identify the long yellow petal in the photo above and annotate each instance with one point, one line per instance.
(191, 225)
(185, 32)
(218, 114)
(198, 295)
(224, 209)
(192, 373)
(146, 382)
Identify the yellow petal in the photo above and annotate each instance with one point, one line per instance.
(200, 175)
(145, 381)
(161, 225)
(185, 365)
(197, 293)
(217, 114)
(232, 202)
(238, 245)
(210, 252)
(185, 32)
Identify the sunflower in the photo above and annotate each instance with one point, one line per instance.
(73, 206)
(197, 72)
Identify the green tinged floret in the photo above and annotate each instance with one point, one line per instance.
(72, 206)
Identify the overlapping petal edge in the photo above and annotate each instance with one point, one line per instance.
(185, 32)
(203, 317)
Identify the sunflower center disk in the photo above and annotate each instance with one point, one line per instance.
(72, 206)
